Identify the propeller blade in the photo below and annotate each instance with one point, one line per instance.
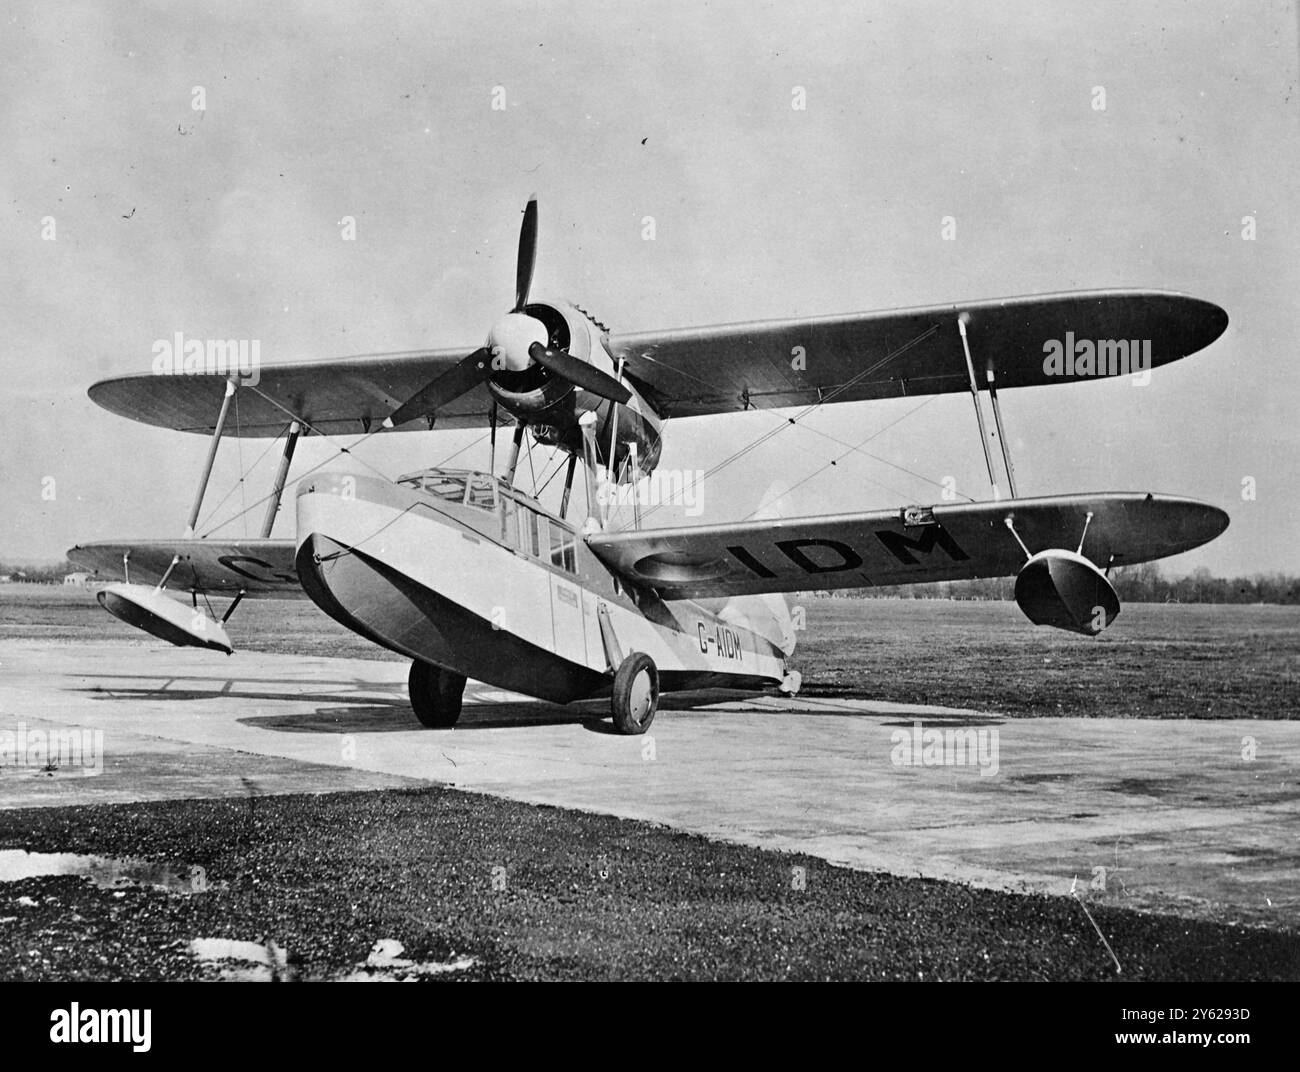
(463, 376)
(527, 256)
(580, 374)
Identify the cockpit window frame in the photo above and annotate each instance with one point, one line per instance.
(433, 483)
(478, 483)
(470, 488)
(525, 527)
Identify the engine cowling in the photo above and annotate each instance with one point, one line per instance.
(552, 406)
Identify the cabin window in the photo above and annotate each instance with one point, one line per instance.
(542, 537)
(528, 531)
(509, 522)
(562, 552)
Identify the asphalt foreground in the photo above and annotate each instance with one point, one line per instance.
(473, 887)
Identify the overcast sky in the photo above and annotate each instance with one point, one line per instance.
(225, 223)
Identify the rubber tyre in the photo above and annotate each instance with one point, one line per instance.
(636, 694)
(436, 695)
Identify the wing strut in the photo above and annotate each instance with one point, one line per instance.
(212, 456)
(595, 509)
(273, 507)
(514, 453)
(610, 470)
(568, 486)
(962, 321)
(1002, 436)
(635, 467)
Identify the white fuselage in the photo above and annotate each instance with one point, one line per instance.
(497, 589)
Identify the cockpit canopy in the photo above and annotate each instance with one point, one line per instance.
(521, 523)
(460, 487)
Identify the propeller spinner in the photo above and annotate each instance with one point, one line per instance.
(516, 342)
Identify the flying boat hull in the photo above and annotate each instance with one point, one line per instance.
(393, 566)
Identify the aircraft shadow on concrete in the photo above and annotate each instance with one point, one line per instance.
(478, 714)
(243, 688)
(392, 714)
(398, 718)
(958, 720)
(899, 718)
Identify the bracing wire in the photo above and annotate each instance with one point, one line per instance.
(789, 422)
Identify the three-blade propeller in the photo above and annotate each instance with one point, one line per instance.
(477, 367)
(463, 376)
(579, 373)
(527, 259)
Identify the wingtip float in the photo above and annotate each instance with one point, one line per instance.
(155, 612)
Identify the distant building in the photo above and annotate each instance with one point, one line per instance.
(5, 578)
(78, 579)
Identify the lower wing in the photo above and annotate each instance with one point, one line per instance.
(258, 568)
(905, 546)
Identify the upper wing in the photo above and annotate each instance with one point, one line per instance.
(884, 547)
(902, 352)
(333, 397)
(260, 568)
(707, 370)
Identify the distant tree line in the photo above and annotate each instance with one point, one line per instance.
(49, 574)
(1143, 583)
(1135, 584)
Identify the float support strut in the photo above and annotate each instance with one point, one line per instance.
(233, 604)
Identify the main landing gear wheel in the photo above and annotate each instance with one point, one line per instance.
(435, 695)
(636, 694)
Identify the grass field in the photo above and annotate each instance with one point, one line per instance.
(1156, 661)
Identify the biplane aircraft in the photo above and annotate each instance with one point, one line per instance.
(468, 576)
